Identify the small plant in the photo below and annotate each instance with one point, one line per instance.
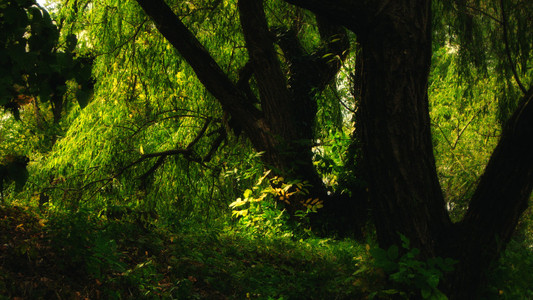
(407, 272)
(258, 209)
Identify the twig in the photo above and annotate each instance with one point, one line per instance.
(462, 131)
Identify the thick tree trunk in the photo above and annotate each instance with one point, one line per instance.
(404, 188)
(288, 102)
(404, 191)
(396, 133)
(288, 148)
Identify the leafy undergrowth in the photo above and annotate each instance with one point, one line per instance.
(82, 257)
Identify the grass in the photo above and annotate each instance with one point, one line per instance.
(78, 256)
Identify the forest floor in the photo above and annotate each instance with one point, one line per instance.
(79, 257)
(84, 256)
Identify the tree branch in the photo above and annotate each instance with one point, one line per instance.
(356, 15)
(329, 59)
(208, 71)
(505, 188)
(200, 134)
(222, 134)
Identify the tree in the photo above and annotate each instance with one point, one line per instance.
(282, 127)
(34, 62)
(272, 100)
(35, 65)
(404, 190)
(395, 38)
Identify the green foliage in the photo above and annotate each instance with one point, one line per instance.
(490, 40)
(88, 256)
(260, 211)
(408, 275)
(39, 69)
(511, 276)
(465, 128)
(329, 157)
(87, 248)
(33, 62)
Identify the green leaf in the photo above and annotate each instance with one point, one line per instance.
(393, 252)
(426, 293)
(237, 203)
(378, 254)
(433, 281)
(405, 241)
(247, 193)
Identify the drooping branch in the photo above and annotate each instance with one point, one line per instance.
(200, 134)
(222, 134)
(208, 71)
(187, 152)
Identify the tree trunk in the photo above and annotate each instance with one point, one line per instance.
(395, 37)
(396, 134)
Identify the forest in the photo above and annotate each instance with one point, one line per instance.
(266, 149)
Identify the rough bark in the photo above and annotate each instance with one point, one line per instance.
(395, 38)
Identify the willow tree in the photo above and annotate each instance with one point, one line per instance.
(395, 39)
(275, 110)
(278, 113)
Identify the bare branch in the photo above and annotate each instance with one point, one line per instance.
(216, 144)
(199, 135)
